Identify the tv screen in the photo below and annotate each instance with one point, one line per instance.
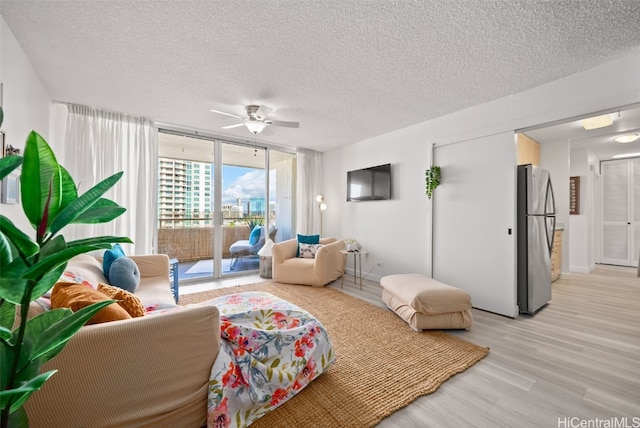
(369, 184)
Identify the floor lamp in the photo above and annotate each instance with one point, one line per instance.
(323, 207)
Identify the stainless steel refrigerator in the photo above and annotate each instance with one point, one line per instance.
(536, 226)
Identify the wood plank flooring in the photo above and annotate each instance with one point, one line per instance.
(579, 357)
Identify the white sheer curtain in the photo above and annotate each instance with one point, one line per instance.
(309, 181)
(101, 143)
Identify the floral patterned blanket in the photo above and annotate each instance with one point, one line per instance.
(270, 350)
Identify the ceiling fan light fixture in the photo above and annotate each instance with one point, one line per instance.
(596, 122)
(254, 126)
(626, 138)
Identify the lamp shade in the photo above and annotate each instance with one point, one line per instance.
(254, 126)
(266, 249)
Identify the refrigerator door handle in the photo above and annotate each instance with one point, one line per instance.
(553, 230)
(546, 199)
(549, 191)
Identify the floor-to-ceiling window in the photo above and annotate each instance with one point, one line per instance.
(244, 206)
(213, 194)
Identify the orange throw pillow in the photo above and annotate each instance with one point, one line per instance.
(77, 296)
(129, 302)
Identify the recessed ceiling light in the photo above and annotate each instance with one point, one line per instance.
(628, 155)
(626, 138)
(597, 122)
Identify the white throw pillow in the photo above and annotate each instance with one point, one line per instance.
(308, 251)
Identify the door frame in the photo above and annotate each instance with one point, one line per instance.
(632, 259)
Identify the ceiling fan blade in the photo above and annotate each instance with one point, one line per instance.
(283, 123)
(232, 126)
(226, 114)
(263, 112)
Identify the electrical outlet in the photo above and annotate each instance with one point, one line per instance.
(380, 264)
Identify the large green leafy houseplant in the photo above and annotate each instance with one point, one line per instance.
(29, 268)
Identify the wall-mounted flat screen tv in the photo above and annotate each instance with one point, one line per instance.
(369, 184)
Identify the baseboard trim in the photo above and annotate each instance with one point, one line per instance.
(582, 269)
(366, 276)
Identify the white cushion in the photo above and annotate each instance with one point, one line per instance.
(308, 251)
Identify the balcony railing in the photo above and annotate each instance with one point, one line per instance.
(194, 241)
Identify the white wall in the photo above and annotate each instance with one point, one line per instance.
(26, 105)
(554, 157)
(584, 164)
(397, 231)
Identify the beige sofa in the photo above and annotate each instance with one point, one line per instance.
(151, 371)
(327, 266)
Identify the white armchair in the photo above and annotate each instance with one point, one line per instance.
(327, 266)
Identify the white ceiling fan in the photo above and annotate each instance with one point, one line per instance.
(256, 119)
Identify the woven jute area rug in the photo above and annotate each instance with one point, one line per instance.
(381, 364)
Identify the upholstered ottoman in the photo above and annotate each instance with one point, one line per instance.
(425, 303)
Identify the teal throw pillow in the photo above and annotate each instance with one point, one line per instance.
(307, 239)
(124, 273)
(109, 257)
(255, 235)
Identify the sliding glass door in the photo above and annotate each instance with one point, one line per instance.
(186, 223)
(244, 207)
(218, 203)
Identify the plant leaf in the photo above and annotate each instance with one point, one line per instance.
(6, 358)
(27, 369)
(8, 164)
(5, 334)
(44, 265)
(75, 208)
(7, 314)
(68, 188)
(25, 246)
(53, 339)
(47, 281)
(37, 325)
(55, 245)
(6, 255)
(40, 172)
(19, 419)
(103, 211)
(19, 396)
(12, 284)
(100, 240)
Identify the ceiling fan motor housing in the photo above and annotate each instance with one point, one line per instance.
(252, 111)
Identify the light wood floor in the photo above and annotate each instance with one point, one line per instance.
(579, 357)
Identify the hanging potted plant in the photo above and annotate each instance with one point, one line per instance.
(432, 179)
(29, 268)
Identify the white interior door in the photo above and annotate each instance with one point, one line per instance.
(474, 215)
(620, 212)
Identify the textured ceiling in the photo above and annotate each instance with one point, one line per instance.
(346, 70)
